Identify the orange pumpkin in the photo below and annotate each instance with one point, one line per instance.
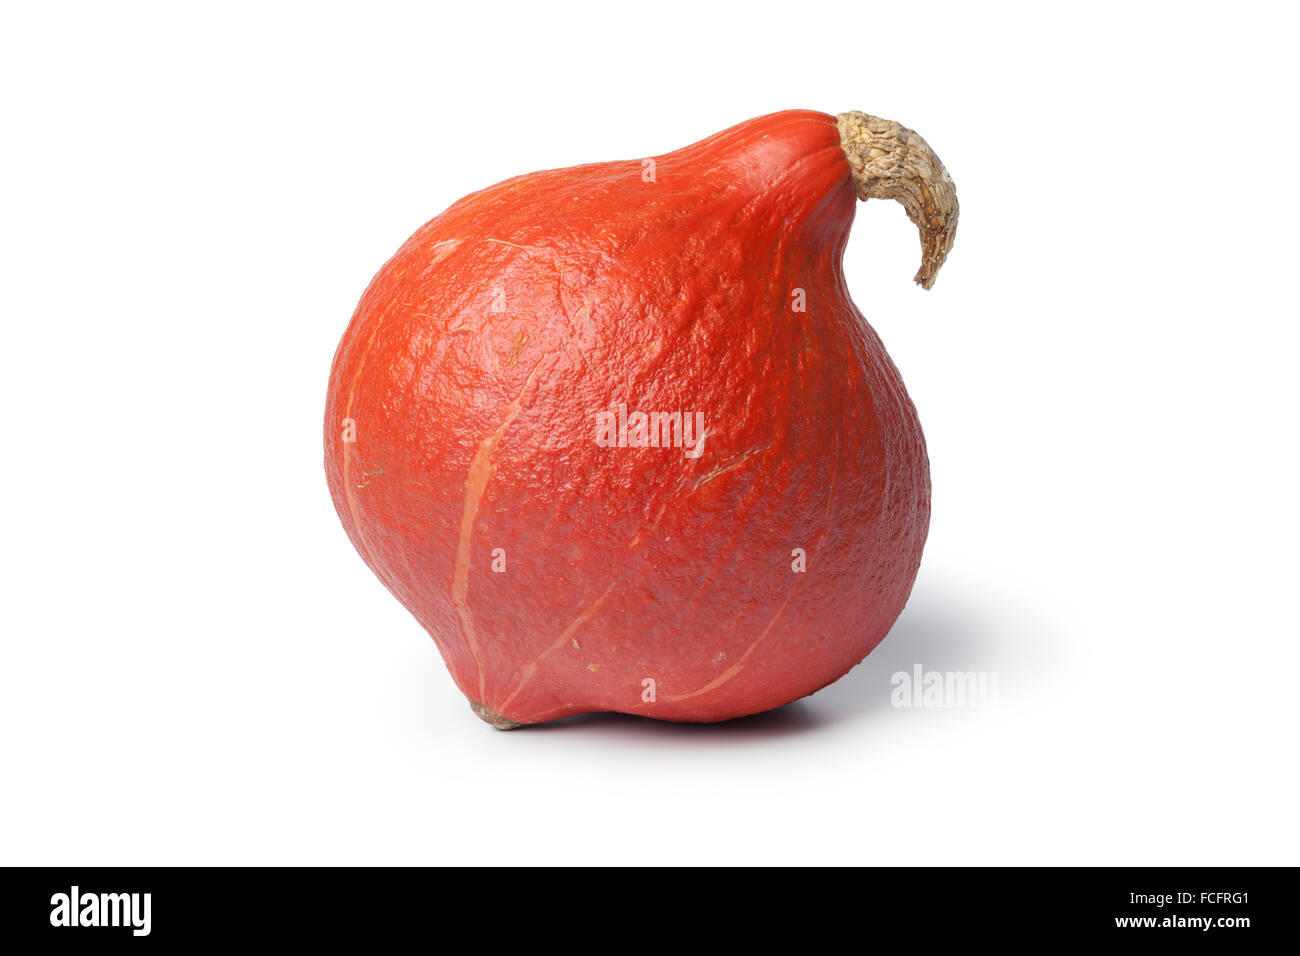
(619, 439)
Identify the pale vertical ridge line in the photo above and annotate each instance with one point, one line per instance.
(480, 472)
(735, 668)
(531, 667)
(348, 491)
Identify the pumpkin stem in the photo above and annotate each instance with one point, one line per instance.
(496, 720)
(889, 161)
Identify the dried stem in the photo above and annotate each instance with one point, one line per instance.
(890, 161)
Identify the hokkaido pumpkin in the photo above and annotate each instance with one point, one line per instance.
(619, 439)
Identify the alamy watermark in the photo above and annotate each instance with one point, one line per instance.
(619, 428)
(76, 908)
(922, 688)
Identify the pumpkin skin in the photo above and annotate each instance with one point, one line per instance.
(462, 421)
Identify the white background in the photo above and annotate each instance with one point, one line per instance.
(197, 668)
